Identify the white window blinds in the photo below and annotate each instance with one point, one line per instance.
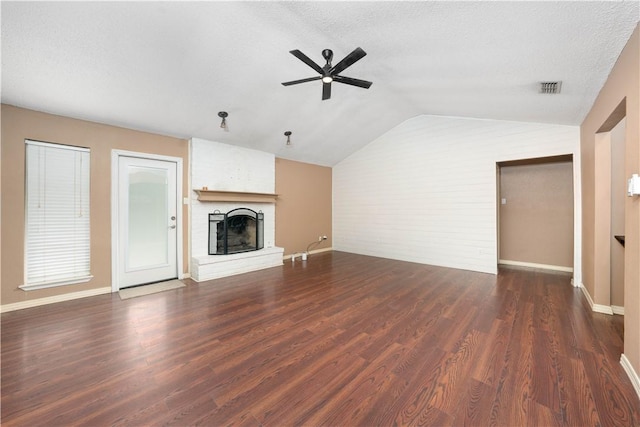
(57, 215)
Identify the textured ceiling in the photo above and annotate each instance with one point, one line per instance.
(169, 67)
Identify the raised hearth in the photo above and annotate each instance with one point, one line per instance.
(216, 266)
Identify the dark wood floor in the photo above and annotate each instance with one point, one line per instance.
(340, 340)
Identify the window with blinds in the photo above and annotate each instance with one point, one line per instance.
(57, 215)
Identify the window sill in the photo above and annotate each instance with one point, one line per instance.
(36, 286)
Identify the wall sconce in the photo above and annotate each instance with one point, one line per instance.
(223, 115)
(288, 135)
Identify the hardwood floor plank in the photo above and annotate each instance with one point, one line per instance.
(455, 374)
(511, 403)
(475, 406)
(186, 415)
(576, 399)
(545, 375)
(342, 339)
(351, 403)
(412, 404)
(613, 404)
(309, 370)
(490, 362)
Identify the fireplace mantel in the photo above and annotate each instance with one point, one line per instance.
(235, 196)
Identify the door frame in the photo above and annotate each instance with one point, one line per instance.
(115, 158)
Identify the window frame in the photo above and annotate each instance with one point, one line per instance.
(81, 193)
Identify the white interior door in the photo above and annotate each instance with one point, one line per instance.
(147, 221)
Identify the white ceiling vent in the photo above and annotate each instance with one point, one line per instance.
(550, 87)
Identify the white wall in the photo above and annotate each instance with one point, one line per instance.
(426, 190)
(228, 168)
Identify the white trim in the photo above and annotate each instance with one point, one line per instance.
(57, 298)
(535, 265)
(115, 176)
(57, 145)
(604, 309)
(577, 213)
(115, 155)
(617, 310)
(598, 308)
(631, 373)
(315, 251)
(585, 292)
(186, 201)
(74, 281)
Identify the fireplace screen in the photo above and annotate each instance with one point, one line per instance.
(239, 230)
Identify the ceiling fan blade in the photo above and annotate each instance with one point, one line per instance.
(351, 81)
(295, 82)
(347, 61)
(326, 91)
(304, 58)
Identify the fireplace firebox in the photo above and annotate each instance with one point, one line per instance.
(239, 230)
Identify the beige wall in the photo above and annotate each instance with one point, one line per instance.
(303, 209)
(19, 124)
(536, 223)
(622, 86)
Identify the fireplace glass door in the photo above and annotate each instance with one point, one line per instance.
(239, 230)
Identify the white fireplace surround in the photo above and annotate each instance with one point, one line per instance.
(223, 167)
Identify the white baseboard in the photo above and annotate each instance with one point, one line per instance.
(534, 265)
(57, 298)
(604, 309)
(315, 251)
(617, 310)
(585, 292)
(633, 375)
(598, 308)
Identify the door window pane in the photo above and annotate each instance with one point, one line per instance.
(148, 217)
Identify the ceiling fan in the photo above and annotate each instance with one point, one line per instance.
(330, 73)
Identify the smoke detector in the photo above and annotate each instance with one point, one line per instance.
(550, 87)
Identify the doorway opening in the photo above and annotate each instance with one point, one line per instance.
(536, 213)
(146, 220)
(610, 196)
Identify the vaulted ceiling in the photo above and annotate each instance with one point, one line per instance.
(170, 67)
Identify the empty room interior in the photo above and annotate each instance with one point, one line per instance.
(320, 213)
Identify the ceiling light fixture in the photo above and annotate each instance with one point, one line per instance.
(223, 115)
(288, 135)
(327, 79)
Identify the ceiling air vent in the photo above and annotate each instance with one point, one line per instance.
(550, 87)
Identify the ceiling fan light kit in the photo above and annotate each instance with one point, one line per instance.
(329, 73)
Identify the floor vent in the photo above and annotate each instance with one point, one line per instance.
(550, 87)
